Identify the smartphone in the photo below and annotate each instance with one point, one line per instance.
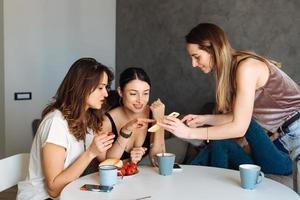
(176, 167)
(155, 127)
(96, 188)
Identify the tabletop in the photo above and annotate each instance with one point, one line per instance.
(192, 182)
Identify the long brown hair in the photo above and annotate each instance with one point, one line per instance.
(212, 39)
(82, 78)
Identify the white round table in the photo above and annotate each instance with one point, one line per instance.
(193, 182)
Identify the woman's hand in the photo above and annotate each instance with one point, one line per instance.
(138, 123)
(175, 126)
(158, 110)
(56, 176)
(101, 143)
(137, 153)
(194, 121)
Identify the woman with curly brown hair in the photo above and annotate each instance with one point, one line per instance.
(70, 134)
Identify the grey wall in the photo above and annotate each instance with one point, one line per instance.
(2, 138)
(150, 34)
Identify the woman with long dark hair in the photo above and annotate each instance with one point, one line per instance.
(132, 141)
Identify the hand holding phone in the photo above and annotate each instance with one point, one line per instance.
(155, 127)
(96, 188)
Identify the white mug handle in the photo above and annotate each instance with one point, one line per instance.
(260, 177)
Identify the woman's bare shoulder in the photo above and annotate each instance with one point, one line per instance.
(253, 69)
(116, 112)
(251, 65)
(251, 62)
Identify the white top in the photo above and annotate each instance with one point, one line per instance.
(193, 182)
(53, 129)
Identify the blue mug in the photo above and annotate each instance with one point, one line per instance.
(250, 176)
(165, 163)
(108, 175)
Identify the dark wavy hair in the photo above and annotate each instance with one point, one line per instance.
(81, 80)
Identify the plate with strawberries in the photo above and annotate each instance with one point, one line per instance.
(128, 169)
(125, 168)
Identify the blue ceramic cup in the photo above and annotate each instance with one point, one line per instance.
(250, 176)
(165, 163)
(108, 175)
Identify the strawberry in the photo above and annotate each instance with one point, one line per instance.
(133, 165)
(123, 171)
(109, 133)
(129, 168)
(120, 173)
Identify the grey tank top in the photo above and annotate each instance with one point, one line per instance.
(276, 100)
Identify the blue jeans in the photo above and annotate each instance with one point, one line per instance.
(291, 140)
(229, 154)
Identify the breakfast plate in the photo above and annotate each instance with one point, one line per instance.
(128, 169)
(127, 175)
(125, 168)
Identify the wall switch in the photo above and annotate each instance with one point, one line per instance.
(22, 96)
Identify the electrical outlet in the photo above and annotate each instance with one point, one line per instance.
(22, 96)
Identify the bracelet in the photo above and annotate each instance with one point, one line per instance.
(124, 135)
(207, 140)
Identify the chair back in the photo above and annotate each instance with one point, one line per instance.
(13, 169)
(296, 175)
(35, 125)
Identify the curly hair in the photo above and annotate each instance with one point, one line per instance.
(81, 80)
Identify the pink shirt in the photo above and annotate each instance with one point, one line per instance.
(276, 100)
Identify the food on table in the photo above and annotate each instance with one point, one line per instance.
(125, 168)
(112, 161)
(129, 168)
(109, 133)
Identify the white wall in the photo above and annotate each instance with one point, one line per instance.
(2, 138)
(42, 38)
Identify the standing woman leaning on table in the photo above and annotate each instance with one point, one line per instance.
(132, 140)
(247, 85)
(69, 136)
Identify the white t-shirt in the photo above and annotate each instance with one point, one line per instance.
(53, 129)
